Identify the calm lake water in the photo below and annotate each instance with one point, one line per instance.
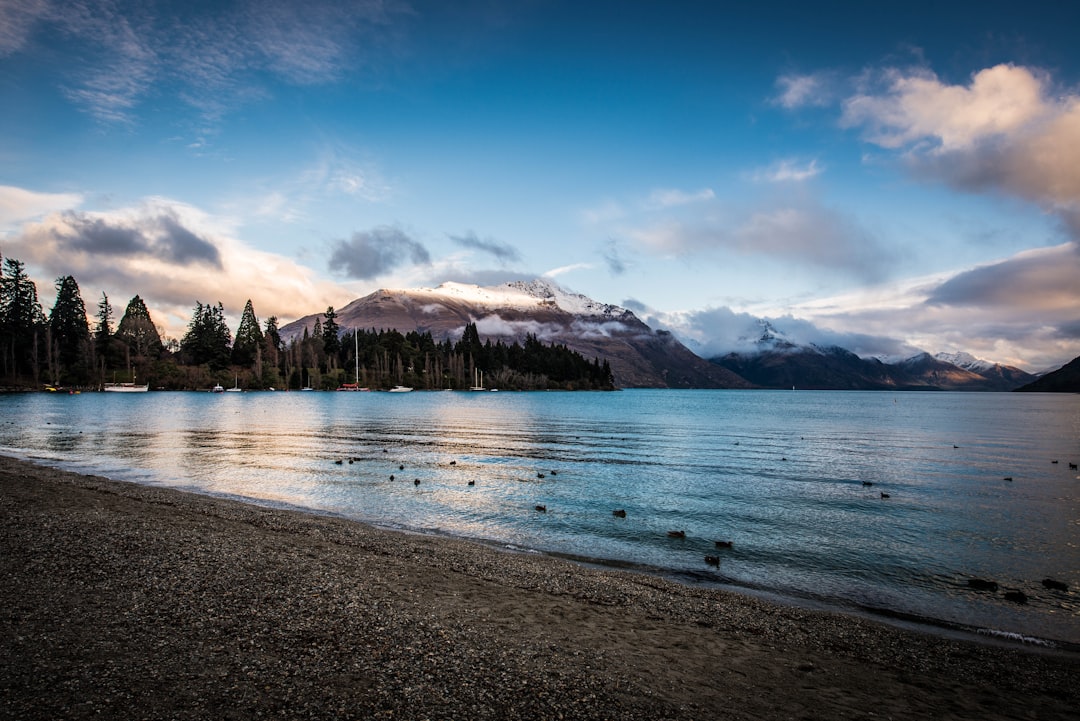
(779, 474)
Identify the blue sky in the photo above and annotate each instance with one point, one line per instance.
(886, 178)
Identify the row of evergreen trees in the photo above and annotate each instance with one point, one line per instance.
(62, 349)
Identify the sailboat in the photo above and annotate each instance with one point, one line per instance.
(356, 353)
(478, 380)
(236, 385)
(126, 387)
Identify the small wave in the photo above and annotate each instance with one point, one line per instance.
(520, 549)
(1012, 636)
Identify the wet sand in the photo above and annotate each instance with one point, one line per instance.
(124, 601)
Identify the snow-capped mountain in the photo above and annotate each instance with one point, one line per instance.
(772, 360)
(999, 374)
(767, 338)
(521, 295)
(965, 361)
(639, 356)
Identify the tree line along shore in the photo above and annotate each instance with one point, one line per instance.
(63, 350)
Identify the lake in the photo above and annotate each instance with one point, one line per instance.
(782, 475)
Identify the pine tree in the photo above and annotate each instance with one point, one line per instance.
(22, 321)
(249, 338)
(208, 338)
(273, 350)
(470, 342)
(331, 341)
(313, 345)
(272, 335)
(137, 331)
(103, 330)
(69, 330)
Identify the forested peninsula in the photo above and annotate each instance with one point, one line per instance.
(62, 350)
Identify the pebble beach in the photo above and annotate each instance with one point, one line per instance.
(125, 601)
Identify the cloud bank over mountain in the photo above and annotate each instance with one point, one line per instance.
(716, 332)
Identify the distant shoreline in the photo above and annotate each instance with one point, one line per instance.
(129, 601)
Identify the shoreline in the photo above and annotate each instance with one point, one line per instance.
(901, 619)
(932, 625)
(140, 601)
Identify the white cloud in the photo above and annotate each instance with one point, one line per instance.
(171, 254)
(595, 331)
(363, 183)
(563, 270)
(18, 205)
(670, 197)
(714, 332)
(606, 212)
(917, 106)
(494, 326)
(276, 205)
(17, 21)
(798, 232)
(218, 55)
(1020, 310)
(1006, 131)
(333, 173)
(336, 170)
(788, 171)
(797, 91)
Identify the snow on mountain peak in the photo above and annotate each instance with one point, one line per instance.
(965, 361)
(527, 295)
(574, 303)
(768, 338)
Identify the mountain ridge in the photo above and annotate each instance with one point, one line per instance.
(639, 356)
(787, 365)
(1065, 379)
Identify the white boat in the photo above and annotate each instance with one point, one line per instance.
(125, 388)
(236, 386)
(478, 381)
(217, 389)
(400, 389)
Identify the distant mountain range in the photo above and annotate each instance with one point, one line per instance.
(639, 356)
(643, 357)
(1064, 380)
(775, 362)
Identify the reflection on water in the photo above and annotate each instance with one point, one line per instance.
(783, 476)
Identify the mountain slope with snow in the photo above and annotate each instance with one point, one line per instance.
(774, 361)
(639, 356)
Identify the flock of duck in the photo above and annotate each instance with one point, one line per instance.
(978, 584)
(1015, 595)
(540, 508)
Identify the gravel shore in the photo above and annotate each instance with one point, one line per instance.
(123, 601)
